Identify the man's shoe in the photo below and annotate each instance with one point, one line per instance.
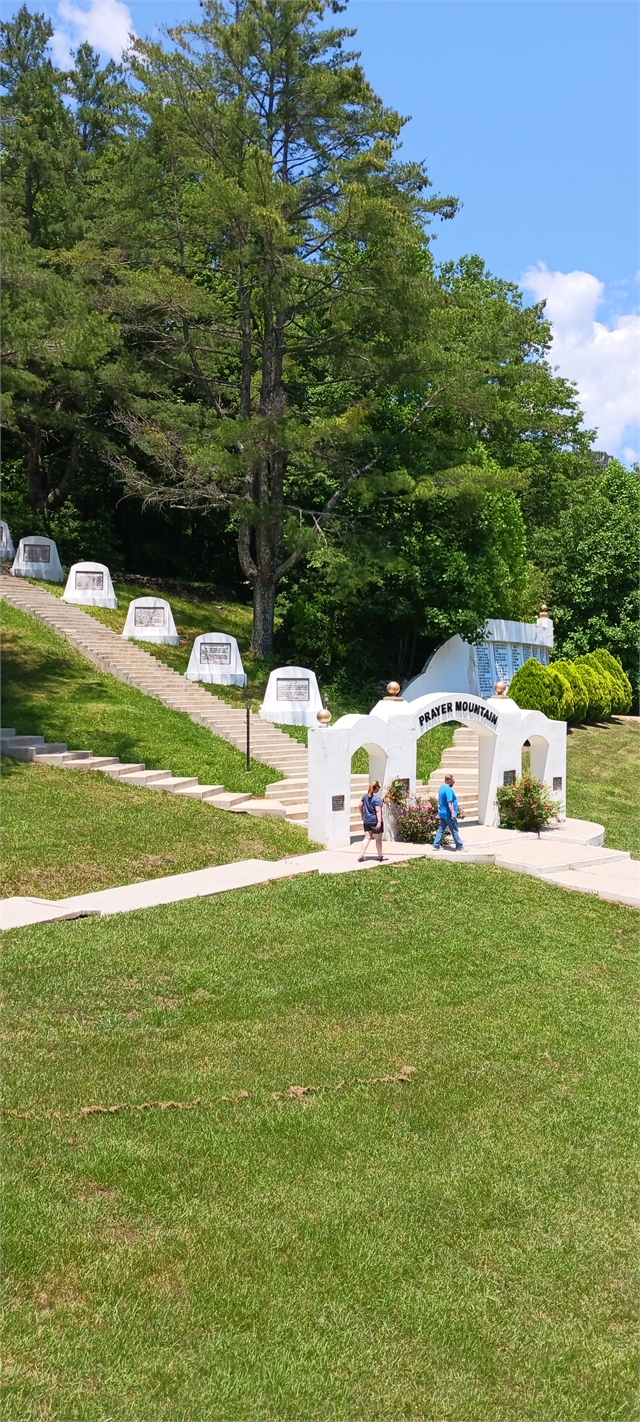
(436, 846)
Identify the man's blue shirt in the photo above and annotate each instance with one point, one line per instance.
(447, 803)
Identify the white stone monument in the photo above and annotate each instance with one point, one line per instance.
(215, 658)
(90, 585)
(150, 619)
(390, 734)
(292, 697)
(7, 550)
(37, 557)
(475, 669)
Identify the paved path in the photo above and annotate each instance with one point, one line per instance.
(559, 857)
(128, 662)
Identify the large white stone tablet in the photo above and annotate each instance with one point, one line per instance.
(215, 658)
(292, 697)
(150, 619)
(461, 666)
(37, 557)
(90, 585)
(7, 550)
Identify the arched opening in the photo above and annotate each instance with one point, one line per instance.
(538, 757)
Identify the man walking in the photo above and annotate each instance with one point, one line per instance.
(447, 813)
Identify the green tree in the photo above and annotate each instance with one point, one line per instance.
(587, 549)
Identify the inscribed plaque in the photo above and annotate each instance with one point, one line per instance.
(485, 671)
(290, 690)
(90, 582)
(148, 617)
(217, 652)
(501, 654)
(516, 657)
(37, 553)
(337, 802)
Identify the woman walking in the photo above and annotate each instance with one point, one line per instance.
(371, 811)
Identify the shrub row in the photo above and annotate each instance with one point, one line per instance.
(591, 688)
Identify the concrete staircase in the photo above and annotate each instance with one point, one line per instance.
(293, 794)
(36, 749)
(129, 663)
(461, 761)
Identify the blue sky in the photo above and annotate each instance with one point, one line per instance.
(527, 110)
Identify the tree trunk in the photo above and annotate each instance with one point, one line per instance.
(264, 601)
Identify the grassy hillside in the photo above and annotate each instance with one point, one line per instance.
(68, 832)
(603, 780)
(50, 689)
(460, 1245)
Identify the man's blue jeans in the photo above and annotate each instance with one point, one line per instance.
(447, 823)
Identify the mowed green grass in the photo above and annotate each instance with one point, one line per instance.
(70, 832)
(603, 780)
(50, 689)
(460, 1246)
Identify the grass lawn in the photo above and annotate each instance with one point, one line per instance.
(458, 1246)
(603, 779)
(51, 690)
(70, 832)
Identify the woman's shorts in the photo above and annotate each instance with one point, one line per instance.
(373, 828)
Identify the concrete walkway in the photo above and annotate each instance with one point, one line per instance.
(571, 856)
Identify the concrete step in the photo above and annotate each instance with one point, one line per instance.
(108, 763)
(64, 758)
(200, 792)
(7, 733)
(145, 777)
(115, 768)
(175, 783)
(264, 809)
(227, 800)
(23, 740)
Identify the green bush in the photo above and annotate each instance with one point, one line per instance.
(538, 688)
(603, 660)
(572, 674)
(599, 687)
(418, 820)
(525, 805)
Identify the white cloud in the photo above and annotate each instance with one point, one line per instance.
(106, 25)
(603, 361)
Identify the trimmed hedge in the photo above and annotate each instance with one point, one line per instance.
(571, 672)
(623, 700)
(591, 688)
(538, 688)
(600, 686)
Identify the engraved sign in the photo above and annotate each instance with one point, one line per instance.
(501, 654)
(216, 652)
(485, 670)
(509, 777)
(557, 782)
(37, 553)
(516, 657)
(292, 690)
(337, 802)
(90, 582)
(148, 617)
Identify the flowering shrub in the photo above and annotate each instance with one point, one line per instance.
(525, 805)
(417, 821)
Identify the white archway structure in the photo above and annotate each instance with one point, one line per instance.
(390, 734)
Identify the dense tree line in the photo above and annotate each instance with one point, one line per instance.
(230, 356)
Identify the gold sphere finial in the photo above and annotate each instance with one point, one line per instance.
(500, 688)
(393, 688)
(324, 717)
(544, 611)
